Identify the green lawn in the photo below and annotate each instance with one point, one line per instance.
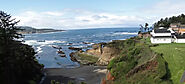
(174, 54)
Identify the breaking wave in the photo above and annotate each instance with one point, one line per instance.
(126, 33)
(45, 42)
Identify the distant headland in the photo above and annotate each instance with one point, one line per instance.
(31, 30)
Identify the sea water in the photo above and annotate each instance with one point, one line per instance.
(81, 38)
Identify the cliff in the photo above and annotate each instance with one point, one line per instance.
(130, 61)
(104, 52)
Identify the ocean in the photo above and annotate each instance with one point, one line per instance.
(81, 38)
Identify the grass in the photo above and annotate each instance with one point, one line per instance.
(89, 58)
(174, 54)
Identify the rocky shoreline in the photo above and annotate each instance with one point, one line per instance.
(90, 71)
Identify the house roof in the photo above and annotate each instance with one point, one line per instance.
(162, 37)
(162, 31)
(180, 36)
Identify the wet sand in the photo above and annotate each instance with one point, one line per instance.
(87, 74)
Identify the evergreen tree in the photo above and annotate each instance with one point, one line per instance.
(18, 64)
(167, 21)
(8, 28)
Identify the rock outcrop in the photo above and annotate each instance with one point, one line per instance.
(103, 52)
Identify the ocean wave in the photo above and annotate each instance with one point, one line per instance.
(39, 49)
(44, 42)
(126, 33)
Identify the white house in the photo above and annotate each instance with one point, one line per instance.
(179, 39)
(166, 36)
(161, 36)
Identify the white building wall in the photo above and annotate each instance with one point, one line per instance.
(180, 40)
(161, 40)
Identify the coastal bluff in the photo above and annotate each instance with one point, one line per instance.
(103, 52)
(100, 54)
(128, 61)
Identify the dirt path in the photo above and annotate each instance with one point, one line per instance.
(87, 74)
(183, 78)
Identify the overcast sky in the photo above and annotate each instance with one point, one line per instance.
(74, 14)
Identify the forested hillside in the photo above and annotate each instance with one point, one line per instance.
(165, 22)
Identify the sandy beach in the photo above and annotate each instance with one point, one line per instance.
(87, 74)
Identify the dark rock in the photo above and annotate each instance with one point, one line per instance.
(62, 55)
(74, 59)
(81, 51)
(73, 48)
(86, 42)
(60, 52)
(41, 41)
(72, 55)
(56, 47)
(69, 44)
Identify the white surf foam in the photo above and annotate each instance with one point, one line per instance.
(126, 33)
(39, 49)
(46, 42)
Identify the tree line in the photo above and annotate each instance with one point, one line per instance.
(18, 64)
(165, 22)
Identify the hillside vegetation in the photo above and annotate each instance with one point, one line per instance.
(137, 64)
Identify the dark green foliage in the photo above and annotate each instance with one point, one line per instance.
(71, 82)
(138, 64)
(17, 61)
(83, 83)
(8, 28)
(18, 64)
(144, 28)
(167, 21)
(54, 82)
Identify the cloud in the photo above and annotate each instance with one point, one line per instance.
(53, 13)
(166, 8)
(72, 18)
